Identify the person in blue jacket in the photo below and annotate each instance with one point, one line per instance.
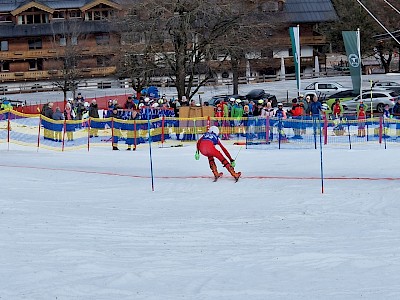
(316, 107)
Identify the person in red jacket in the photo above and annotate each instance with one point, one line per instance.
(361, 117)
(337, 109)
(206, 146)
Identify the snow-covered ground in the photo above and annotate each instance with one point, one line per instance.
(87, 225)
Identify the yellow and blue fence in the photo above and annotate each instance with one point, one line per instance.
(254, 132)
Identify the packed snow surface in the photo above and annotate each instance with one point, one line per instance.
(88, 225)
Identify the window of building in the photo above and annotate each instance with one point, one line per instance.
(63, 41)
(35, 64)
(59, 15)
(4, 46)
(98, 14)
(75, 14)
(5, 66)
(74, 40)
(102, 39)
(103, 61)
(35, 44)
(5, 18)
(267, 53)
(33, 18)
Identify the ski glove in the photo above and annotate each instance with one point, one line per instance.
(197, 155)
(233, 163)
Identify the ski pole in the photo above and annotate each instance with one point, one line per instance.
(238, 152)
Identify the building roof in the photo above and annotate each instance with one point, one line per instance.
(10, 5)
(309, 11)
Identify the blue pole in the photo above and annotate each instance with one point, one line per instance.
(320, 147)
(151, 157)
(315, 131)
(384, 131)
(279, 132)
(348, 129)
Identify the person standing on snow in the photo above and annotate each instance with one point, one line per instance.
(206, 146)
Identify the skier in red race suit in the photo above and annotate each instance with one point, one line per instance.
(206, 146)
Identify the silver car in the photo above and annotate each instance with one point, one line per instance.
(324, 88)
(378, 99)
(386, 84)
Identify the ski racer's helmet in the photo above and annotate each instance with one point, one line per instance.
(214, 129)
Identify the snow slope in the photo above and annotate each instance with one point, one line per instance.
(87, 225)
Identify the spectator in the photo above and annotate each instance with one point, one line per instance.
(69, 115)
(116, 131)
(80, 98)
(337, 109)
(175, 104)
(297, 115)
(315, 107)
(396, 114)
(280, 112)
(184, 101)
(129, 104)
(386, 120)
(361, 117)
(58, 127)
(94, 114)
(281, 115)
(219, 113)
(6, 105)
(267, 111)
(130, 127)
(294, 105)
(257, 109)
(307, 105)
(47, 124)
(78, 107)
(237, 114)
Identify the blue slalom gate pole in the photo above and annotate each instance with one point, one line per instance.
(348, 129)
(315, 131)
(321, 156)
(151, 157)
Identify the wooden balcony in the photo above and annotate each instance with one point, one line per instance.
(304, 40)
(52, 74)
(52, 53)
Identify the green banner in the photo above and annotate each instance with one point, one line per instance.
(352, 44)
(295, 38)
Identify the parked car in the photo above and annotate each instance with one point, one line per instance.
(258, 94)
(346, 95)
(343, 96)
(379, 100)
(324, 88)
(218, 98)
(386, 84)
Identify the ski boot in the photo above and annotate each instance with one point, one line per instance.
(231, 170)
(213, 168)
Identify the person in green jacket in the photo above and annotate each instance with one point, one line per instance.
(237, 114)
(6, 105)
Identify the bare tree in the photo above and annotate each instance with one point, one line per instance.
(135, 63)
(189, 40)
(68, 44)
